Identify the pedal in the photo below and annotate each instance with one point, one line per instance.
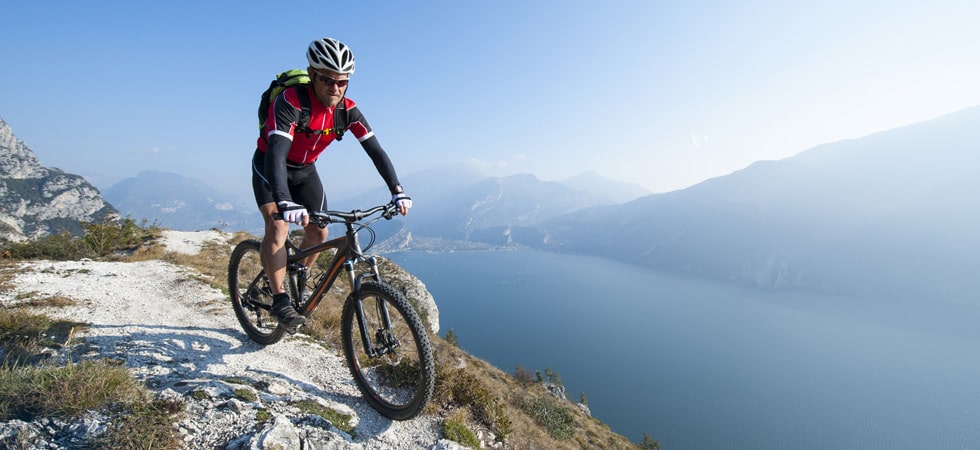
(293, 329)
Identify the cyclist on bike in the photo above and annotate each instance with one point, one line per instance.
(284, 178)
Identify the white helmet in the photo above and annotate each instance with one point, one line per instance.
(330, 54)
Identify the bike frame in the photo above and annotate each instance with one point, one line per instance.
(348, 254)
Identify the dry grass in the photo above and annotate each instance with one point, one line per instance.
(68, 392)
(8, 271)
(460, 370)
(31, 386)
(25, 337)
(30, 391)
(54, 301)
(324, 324)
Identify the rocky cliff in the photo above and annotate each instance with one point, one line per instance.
(36, 201)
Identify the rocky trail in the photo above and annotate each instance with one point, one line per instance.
(180, 338)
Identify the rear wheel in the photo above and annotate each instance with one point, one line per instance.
(251, 295)
(397, 373)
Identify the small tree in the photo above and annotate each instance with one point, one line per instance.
(553, 377)
(112, 233)
(451, 338)
(583, 399)
(648, 443)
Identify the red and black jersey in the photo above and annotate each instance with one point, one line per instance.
(286, 147)
(284, 114)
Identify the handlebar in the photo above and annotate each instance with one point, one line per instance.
(324, 218)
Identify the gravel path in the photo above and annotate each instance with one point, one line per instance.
(173, 330)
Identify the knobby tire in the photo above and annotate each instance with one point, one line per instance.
(251, 296)
(398, 385)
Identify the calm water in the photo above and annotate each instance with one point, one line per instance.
(699, 365)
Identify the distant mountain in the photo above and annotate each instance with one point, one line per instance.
(893, 214)
(452, 202)
(496, 210)
(180, 203)
(36, 201)
(459, 202)
(615, 191)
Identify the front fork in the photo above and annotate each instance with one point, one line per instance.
(383, 334)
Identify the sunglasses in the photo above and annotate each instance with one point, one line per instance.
(330, 81)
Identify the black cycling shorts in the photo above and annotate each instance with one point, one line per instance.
(304, 185)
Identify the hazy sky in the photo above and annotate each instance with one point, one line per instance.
(664, 94)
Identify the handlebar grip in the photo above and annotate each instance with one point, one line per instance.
(320, 221)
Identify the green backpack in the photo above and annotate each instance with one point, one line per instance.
(299, 77)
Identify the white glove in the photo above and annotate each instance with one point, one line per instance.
(403, 202)
(292, 212)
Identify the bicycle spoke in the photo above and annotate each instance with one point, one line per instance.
(252, 303)
(395, 370)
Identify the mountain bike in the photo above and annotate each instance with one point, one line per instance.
(383, 337)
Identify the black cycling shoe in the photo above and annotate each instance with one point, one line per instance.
(287, 316)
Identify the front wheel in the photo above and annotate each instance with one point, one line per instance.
(251, 295)
(396, 370)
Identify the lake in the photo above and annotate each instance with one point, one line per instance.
(704, 365)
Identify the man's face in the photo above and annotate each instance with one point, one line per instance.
(328, 86)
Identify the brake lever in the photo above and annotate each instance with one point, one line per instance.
(390, 212)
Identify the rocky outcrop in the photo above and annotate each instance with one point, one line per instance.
(36, 201)
(414, 290)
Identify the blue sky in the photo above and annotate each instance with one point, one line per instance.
(664, 94)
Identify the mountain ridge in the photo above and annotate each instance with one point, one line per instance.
(181, 203)
(37, 201)
(866, 216)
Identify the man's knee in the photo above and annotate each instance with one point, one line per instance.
(276, 233)
(315, 233)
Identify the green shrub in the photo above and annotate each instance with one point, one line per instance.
(246, 395)
(341, 421)
(455, 430)
(263, 415)
(101, 238)
(551, 415)
(459, 387)
(62, 247)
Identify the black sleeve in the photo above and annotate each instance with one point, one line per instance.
(374, 150)
(275, 167)
(381, 162)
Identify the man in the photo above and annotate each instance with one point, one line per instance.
(284, 178)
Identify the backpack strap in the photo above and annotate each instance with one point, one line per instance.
(340, 119)
(304, 114)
